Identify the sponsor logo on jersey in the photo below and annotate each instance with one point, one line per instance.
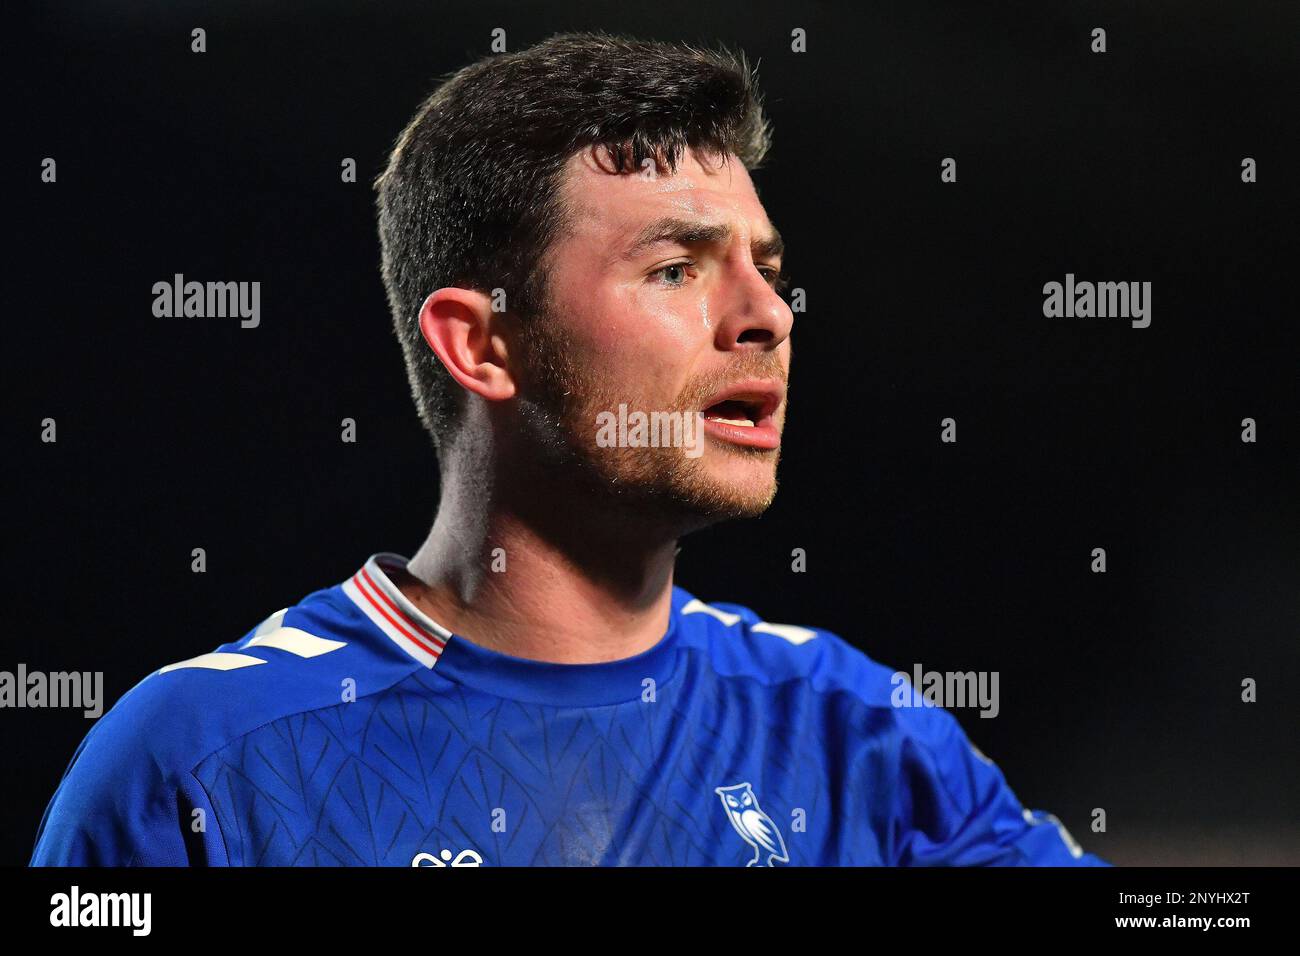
(463, 858)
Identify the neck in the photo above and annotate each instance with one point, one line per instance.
(535, 575)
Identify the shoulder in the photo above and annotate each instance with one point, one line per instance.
(302, 658)
(133, 773)
(742, 642)
(952, 802)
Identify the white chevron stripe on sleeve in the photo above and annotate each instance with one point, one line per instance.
(791, 632)
(216, 661)
(296, 641)
(271, 623)
(696, 606)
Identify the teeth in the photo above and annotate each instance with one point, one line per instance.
(742, 422)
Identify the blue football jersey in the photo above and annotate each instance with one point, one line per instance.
(353, 730)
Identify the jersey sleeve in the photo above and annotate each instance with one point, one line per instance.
(119, 804)
(955, 807)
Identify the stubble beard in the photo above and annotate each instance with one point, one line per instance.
(659, 485)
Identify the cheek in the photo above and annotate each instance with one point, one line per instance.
(644, 338)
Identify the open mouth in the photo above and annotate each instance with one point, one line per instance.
(744, 414)
(739, 412)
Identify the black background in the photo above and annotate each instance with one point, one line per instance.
(1119, 691)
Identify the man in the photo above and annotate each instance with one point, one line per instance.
(585, 287)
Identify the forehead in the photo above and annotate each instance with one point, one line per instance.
(613, 207)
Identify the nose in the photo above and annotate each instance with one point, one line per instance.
(754, 317)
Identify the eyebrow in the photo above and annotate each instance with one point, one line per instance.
(686, 232)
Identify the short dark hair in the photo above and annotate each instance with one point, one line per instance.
(470, 196)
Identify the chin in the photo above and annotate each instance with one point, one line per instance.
(667, 489)
(729, 493)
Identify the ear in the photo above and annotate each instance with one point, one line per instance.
(465, 334)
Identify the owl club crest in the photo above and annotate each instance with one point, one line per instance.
(754, 826)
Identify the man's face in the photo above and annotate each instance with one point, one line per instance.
(661, 299)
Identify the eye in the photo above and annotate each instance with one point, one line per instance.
(777, 279)
(675, 269)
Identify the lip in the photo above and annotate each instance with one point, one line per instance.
(766, 396)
